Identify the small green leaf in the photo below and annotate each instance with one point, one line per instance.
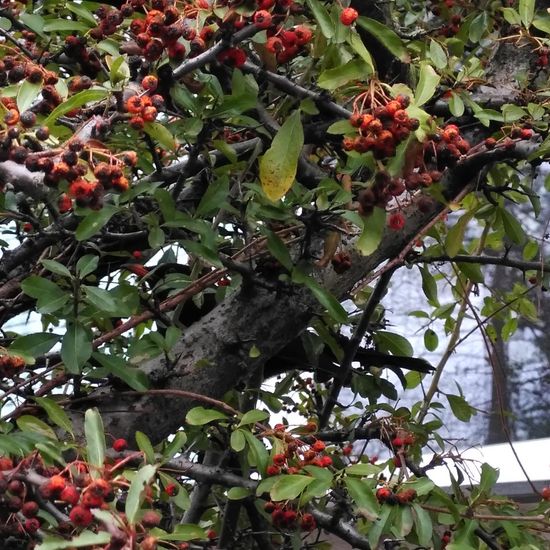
(526, 11)
(75, 101)
(35, 344)
(512, 227)
(431, 340)
(65, 25)
(28, 423)
(530, 250)
(27, 94)
(258, 451)
(238, 493)
(429, 287)
(325, 298)
(386, 36)
(95, 441)
(49, 296)
(251, 417)
(144, 445)
(373, 230)
(86, 538)
(161, 134)
(428, 81)
(86, 264)
(175, 446)
(288, 487)
(356, 69)
(363, 496)
(238, 441)
(461, 408)
(278, 166)
(423, 525)
(323, 18)
(101, 299)
(354, 40)
(438, 55)
(199, 416)
(136, 492)
(394, 343)
(119, 367)
(455, 236)
(94, 222)
(55, 413)
(76, 348)
(181, 532)
(279, 250)
(363, 469)
(456, 105)
(56, 267)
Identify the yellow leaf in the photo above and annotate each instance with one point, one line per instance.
(279, 164)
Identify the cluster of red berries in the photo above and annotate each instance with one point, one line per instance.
(297, 454)
(381, 129)
(341, 262)
(144, 107)
(14, 69)
(87, 58)
(10, 365)
(444, 10)
(388, 496)
(400, 444)
(286, 44)
(284, 516)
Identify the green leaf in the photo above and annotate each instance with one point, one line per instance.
(56, 267)
(49, 296)
(76, 348)
(198, 416)
(238, 493)
(429, 287)
(94, 222)
(251, 417)
(363, 469)
(144, 445)
(175, 446)
(323, 18)
(28, 423)
(381, 524)
(428, 81)
(279, 164)
(394, 343)
(363, 496)
(258, 451)
(288, 487)
(238, 441)
(76, 101)
(279, 250)
(181, 532)
(161, 134)
(461, 408)
(86, 538)
(354, 40)
(423, 525)
(136, 492)
(86, 264)
(215, 196)
(340, 127)
(526, 11)
(35, 344)
(101, 299)
(356, 69)
(431, 340)
(373, 230)
(135, 378)
(530, 250)
(387, 37)
(27, 93)
(455, 236)
(512, 227)
(438, 55)
(82, 12)
(55, 413)
(95, 441)
(65, 25)
(456, 105)
(488, 479)
(324, 297)
(511, 16)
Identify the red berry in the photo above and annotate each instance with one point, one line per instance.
(348, 16)
(279, 460)
(273, 470)
(211, 534)
(121, 444)
(80, 516)
(150, 83)
(318, 446)
(27, 227)
(262, 19)
(383, 494)
(70, 495)
(347, 450)
(397, 442)
(545, 493)
(32, 525)
(326, 461)
(396, 221)
(171, 489)
(30, 509)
